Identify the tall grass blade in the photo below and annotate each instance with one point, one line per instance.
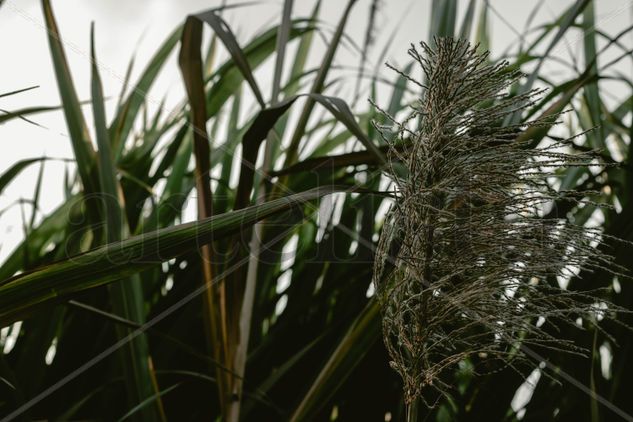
(444, 16)
(79, 136)
(126, 82)
(232, 141)
(249, 151)
(190, 60)
(467, 22)
(482, 36)
(317, 88)
(566, 21)
(126, 295)
(229, 76)
(128, 111)
(590, 91)
(253, 138)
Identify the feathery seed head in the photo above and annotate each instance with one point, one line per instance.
(465, 264)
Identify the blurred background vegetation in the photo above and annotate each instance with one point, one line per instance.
(275, 321)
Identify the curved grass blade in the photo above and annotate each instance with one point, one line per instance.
(224, 33)
(107, 171)
(20, 294)
(126, 81)
(141, 406)
(341, 111)
(229, 77)
(19, 114)
(253, 138)
(355, 158)
(353, 346)
(292, 152)
(190, 60)
(47, 231)
(13, 171)
(236, 291)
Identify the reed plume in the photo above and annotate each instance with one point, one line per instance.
(466, 265)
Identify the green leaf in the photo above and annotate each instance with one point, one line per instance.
(444, 15)
(317, 87)
(13, 171)
(6, 94)
(224, 33)
(228, 154)
(227, 79)
(126, 82)
(36, 195)
(190, 60)
(19, 114)
(147, 402)
(127, 295)
(565, 22)
(356, 158)
(107, 171)
(82, 146)
(467, 22)
(590, 91)
(191, 66)
(353, 346)
(341, 111)
(482, 37)
(111, 262)
(251, 142)
(128, 111)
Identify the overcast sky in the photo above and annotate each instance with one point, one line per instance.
(128, 27)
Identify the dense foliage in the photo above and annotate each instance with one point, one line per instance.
(113, 308)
